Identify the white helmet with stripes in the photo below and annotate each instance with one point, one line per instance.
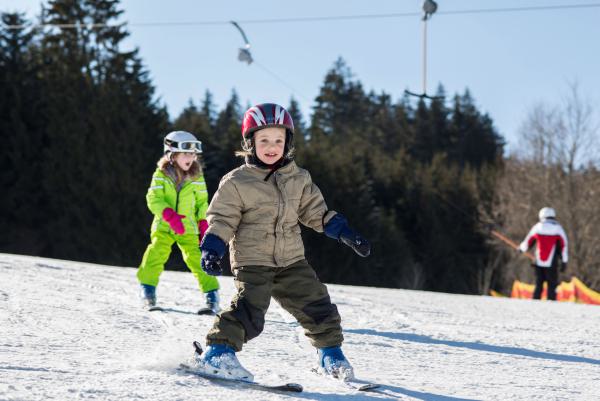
(182, 142)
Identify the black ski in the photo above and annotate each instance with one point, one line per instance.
(361, 385)
(206, 311)
(287, 387)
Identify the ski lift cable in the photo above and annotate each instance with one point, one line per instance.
(313, 19)
(271, 73)
(521, 9)
(245, 55)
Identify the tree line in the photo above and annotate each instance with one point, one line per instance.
(82, 130)
(555, 164)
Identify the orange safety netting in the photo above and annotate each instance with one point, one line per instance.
(573, 291)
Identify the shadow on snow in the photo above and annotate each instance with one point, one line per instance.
(477, 346)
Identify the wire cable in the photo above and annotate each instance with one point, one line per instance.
(315, 19)
(272, 74)
(524, 8)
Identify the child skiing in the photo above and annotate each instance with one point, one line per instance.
(256, 210)
(178, 199)
(552, 245)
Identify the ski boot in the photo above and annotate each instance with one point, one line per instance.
(332, 362)
(149, 295)
(212, 303)
(219, 360)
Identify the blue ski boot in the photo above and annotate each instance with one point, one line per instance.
(212, 301)
(220, 360)
(332, 362)
(149, 295)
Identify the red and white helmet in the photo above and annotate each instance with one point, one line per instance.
(266, 115)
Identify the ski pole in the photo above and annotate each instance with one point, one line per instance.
(511, 243)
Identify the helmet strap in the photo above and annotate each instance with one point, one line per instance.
(274, 167)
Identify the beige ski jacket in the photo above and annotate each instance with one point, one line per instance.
(260, 218)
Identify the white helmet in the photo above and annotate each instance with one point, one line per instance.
(182, 142)
(546, 213)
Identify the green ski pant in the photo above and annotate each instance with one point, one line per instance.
(295, 287)
(157, 254)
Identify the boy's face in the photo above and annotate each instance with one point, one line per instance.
(270, 144)
(184, 160)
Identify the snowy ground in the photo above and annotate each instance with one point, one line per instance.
(76, 331)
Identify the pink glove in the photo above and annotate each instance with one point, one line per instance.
(202, 226)
(174, 220)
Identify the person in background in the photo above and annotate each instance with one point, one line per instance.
(551, 250)
(178, 198)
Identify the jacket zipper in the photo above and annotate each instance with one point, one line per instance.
(278, 223)
(177, 202)
(176, 197)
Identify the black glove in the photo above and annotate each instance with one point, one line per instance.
(337, 228)
(213, 249)
(563, 267)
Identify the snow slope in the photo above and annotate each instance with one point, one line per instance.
(72, 330)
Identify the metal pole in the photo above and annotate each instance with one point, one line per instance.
(424, 56)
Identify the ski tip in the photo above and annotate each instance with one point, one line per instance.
(294, 387)
(198, 347)
(368, 387)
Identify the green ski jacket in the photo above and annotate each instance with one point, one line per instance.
(191, 200)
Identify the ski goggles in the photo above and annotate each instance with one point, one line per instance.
(191, 146)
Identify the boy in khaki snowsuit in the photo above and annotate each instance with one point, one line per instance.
(256, 210)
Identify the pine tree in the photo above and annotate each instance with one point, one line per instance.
(474, 138)
(22, 136)
(200, 122)
(101, 123)
(299, 125)
(227, 138)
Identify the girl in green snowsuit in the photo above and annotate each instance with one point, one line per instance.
(178, 199)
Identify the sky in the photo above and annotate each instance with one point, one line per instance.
(509, 61)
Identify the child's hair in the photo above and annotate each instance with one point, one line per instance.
(167, 161)
(248, 147)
